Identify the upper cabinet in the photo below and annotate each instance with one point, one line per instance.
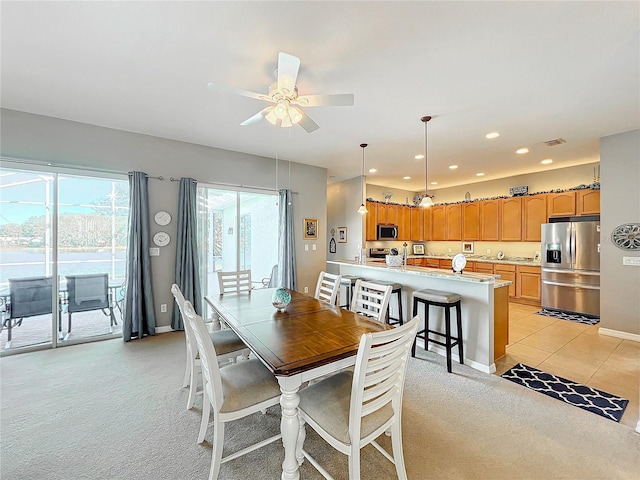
(561, 204)
(511, 219)
(417, 225)
(490, 220)
(534, 214)
(372, 222)
(438, 222)
(588, 202)
(471, 221)
(388, 213)
(405, 227)
(427, 214)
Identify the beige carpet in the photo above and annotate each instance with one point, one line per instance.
(111, 410)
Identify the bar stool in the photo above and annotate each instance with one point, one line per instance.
(446, 300)
(396, 288)
(349, 281)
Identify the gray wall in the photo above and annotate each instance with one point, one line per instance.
(619, 203)
(54, 140)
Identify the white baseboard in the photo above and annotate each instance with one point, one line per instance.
(164, 329)
(618, 334)
(454, 356)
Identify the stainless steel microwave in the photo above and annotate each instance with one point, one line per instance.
(387, 232)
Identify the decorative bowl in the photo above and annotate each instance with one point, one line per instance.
(393, 260)
(281, 298)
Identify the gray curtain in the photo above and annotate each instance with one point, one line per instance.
(139, 315)
(286, 243)
(187, 270)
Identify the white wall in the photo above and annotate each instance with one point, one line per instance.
(620, 203)
(54, 140)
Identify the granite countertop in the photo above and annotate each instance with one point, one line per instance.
(423, 271)
(528, 261)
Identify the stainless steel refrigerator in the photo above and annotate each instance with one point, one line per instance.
(571, 267)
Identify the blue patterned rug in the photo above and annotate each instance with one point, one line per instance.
(576, 394)
(574, 317)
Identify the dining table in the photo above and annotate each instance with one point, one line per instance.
(306, 340)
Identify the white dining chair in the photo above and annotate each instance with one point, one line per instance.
(234, 281)
(227, 344)
(371, 299)
(350, 409)
(327, 287)
(234, 392)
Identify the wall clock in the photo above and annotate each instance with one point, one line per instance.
(162, 218)
(627, 236)
(161, 239)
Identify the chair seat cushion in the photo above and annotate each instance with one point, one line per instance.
(327, 402)
(436, 296)
(394, 286)
(247, 383)
(226, 341)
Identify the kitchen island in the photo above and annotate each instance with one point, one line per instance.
(485, 307)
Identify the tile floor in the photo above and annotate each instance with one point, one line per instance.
(576, 352)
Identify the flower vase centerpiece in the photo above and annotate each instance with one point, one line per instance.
(281, 298)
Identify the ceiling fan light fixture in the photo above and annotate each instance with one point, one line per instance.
(295, 114)
(271, 117)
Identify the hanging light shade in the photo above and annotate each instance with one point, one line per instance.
(427, 200)
(362, 208)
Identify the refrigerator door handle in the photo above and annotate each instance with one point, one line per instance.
(561, 284)
(581, 272)
(572, 246)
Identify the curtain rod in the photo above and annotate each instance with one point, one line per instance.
(159, 177)
(172, 179)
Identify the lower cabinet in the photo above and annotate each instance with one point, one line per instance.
(528, 284)
(507, 272)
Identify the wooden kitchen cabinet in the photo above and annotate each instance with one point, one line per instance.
(511, 219)
(490, 220)
(417, 224)
(432, 263)
(404, 222)
(588, 202)
(471, 221)
(371, 228)
(427, 220)
(454, 221)
(484, 267)
(561, 204)
(507, 272)
(534, 214)
(438, 222)
(528, 284)
(445, 263)
(387, 213)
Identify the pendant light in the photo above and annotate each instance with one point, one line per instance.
(427, 200)
(362, 208)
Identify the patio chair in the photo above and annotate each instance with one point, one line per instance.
(89, 292)
(28, 297)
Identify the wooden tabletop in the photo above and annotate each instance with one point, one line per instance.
(308, 334)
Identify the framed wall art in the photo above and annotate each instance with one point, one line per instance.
(467, 247)
(310, 228)
(342, 234)
(418, 248)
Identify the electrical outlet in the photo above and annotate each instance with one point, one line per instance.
(449, 250)
(634, 261)
(163, 308)
(313, 247)
(306, 289)
(306, 248)
(488, 251)
(154, 252)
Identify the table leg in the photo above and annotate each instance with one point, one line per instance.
(289, 426)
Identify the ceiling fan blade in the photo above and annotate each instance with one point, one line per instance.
(257, 117)
(238, 91)
(288, 67)
(338, 100)
(308, 124)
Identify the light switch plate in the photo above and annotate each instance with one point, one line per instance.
(154, 252)
(632, 261)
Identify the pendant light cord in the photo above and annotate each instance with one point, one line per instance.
(425, 119)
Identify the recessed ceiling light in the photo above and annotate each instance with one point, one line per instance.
(546, 161)
(373, 170)
(406, 178)
(419, 156)
(434, 183)
(480, 174)
(522, 151)
(492, 135)
(453, 167)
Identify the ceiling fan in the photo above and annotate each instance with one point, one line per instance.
(285, 111)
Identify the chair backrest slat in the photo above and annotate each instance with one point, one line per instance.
(87, 292)
(371, 299)
(234, 282)
(192, 346)
(380, 371)
(327, 287)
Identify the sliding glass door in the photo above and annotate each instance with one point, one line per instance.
(61, 236)
(238, 230)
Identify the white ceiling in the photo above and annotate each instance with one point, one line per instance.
(534, 71)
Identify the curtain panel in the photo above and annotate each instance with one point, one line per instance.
(286, 243)
(187, 268)
(139, 314)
